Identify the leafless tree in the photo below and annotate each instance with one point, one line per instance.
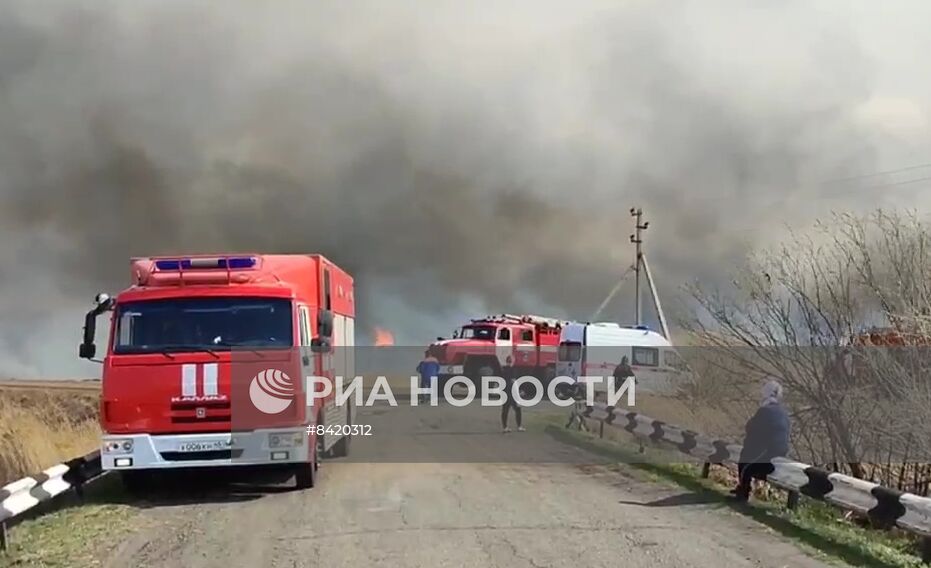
(801, 312)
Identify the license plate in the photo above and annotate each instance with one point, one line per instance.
(204, 446)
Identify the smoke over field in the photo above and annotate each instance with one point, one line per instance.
(456, 158)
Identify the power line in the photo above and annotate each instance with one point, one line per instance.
(878, 174)
(905, 182)
(836, 192)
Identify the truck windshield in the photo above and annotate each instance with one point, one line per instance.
(478, 332)
(193, 324)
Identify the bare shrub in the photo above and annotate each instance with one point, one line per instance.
(802, 312)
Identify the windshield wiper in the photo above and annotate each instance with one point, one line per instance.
(241, 345)
(167, 349)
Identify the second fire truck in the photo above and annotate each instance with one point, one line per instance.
(500, 345)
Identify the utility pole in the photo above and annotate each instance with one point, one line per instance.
(637, 239)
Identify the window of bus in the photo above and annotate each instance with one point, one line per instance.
(645, 356)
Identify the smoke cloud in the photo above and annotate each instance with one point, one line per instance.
(457, 159)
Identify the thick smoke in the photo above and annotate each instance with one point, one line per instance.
(456, 158)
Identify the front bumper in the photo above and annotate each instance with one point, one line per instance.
(167, 451)
(451, 370)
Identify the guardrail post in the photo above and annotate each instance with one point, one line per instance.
(4, 538)
(792, 500)
(926, 549)
(601, 429)
(706, 470)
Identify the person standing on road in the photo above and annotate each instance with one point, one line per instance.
(623, 370)
(510, 401)
(767, 437)
(429, 369)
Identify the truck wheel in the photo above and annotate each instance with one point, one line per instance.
(476, 371)
(485, 370)
(319, 450)
(341, 448)
(305, 474)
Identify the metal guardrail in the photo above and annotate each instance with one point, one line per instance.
(22, 495)
(884, 507)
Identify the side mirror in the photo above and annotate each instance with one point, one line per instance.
(325, 323)
(102, 303)
(87, 351)
(320, 345)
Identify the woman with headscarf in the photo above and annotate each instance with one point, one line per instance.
(767, 437)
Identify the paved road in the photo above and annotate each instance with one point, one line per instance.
(509, 515)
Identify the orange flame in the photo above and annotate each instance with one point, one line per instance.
(383, 337)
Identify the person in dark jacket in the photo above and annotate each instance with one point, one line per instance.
(429, 369)
(623, 370)
(510, 401)
(767, 437)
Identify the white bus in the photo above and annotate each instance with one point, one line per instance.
(595, 349)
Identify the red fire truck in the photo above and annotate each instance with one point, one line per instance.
(501, 345)
(206, 359)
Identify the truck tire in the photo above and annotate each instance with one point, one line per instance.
(341, 448)
(487, 370)
(305, 474)
(478, 369)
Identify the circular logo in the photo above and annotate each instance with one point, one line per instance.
(271, 391)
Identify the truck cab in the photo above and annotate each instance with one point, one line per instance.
(206, 358)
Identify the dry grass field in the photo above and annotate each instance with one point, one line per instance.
(43, 424)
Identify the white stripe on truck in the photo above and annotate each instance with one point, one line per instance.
(188, 379)
(210, 379)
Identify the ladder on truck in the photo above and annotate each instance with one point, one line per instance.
(512, 318)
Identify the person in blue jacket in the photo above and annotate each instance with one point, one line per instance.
(429, 369)
(767, 437)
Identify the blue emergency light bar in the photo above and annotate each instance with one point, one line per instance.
(232, 263)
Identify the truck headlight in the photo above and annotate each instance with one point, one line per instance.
(288, 440)
(118, 447)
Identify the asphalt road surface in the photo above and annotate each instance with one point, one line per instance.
(365, 512)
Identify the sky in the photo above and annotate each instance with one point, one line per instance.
(457, 158)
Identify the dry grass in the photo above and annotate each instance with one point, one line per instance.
(39, 428)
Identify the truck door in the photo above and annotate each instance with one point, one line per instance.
(504, 346)
(307, 358)
(525, 348)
